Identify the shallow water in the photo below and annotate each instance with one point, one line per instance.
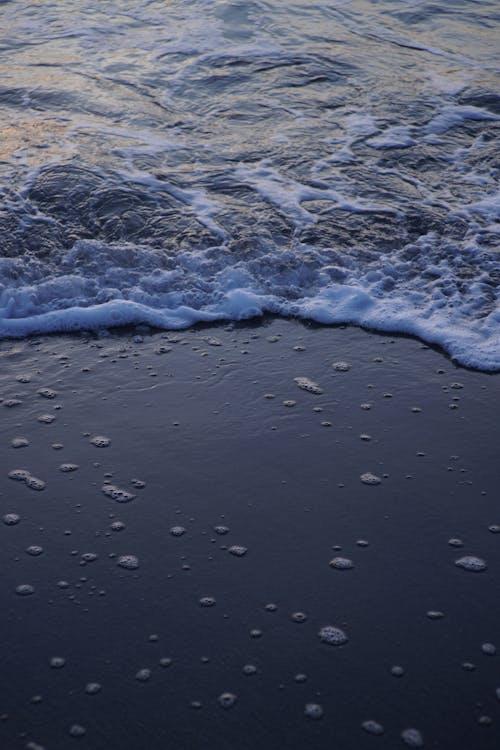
(170, 162)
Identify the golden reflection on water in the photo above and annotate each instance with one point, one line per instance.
(37, 139)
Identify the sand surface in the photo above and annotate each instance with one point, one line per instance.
(210, 428)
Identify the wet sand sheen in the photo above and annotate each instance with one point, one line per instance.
(271, 534)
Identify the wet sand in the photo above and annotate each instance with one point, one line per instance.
(234, 488)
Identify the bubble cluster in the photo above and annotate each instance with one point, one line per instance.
(369, 478)
(341, 366)
(237, 550)
(100, 441)
(129, 562)
(332, 636)
(308, 385)
(341, 563)
(115, 493)
(65, 468)
(47, 393)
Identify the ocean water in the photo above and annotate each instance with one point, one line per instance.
(174, 162)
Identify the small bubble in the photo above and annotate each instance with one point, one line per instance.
(369, 478)
(299, 617)
(341, 366)
(433, 614)
(227, 700)
(47, 393)
(412, 738)
(76, 730)
(57, 446)
(373, 727)
(19, 442)
(454, 542)
(34, 550)
(68, 467)
(471, 563)
(332, 636)
(100, 441)
(289, 402)
(271, 607)
(221, 530)
(89, 557)
(165, 662)
(397, 671)
(237, 550)
(489, 649)
(57, 662)
(494, 528)
(468, 666)
(313, 711)
(46, 418)
(25, 589)
(300, 678)
(11, 519)
(207, 601)
(255, 633)
(341, 563)
(117, 526)
(35, 484)
(177, 530)
(143, 675)
(249, 669)
(92, 688)
(485, 721)
(129, 562)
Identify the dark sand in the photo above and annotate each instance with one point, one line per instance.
(195, 425)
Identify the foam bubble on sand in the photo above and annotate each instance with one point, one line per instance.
(412, 738)
(308, 385)
(332, 635)
(129, 562)
(115, 493)
(341, 563)
(369, 478)
(471, 563)
(227, 700)
(313, 711)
